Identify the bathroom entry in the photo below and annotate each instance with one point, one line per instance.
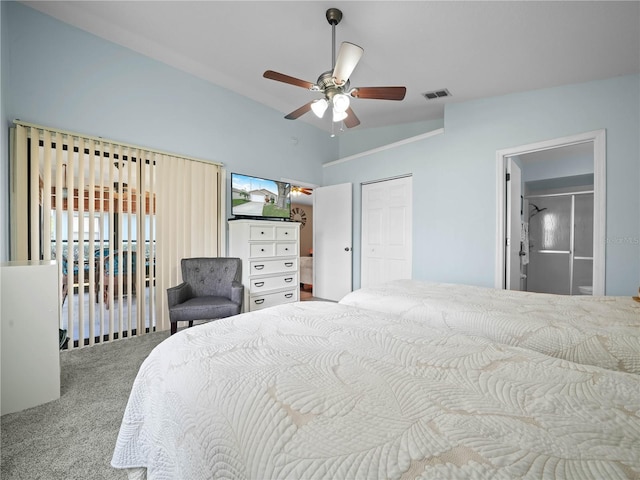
(555, 221)
(549, 161)
(302, 212)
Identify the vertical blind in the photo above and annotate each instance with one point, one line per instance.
(117, 218)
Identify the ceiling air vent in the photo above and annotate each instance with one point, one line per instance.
(443, 92)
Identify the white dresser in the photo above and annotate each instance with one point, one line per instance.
(270, 253)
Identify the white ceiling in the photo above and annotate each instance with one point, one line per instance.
(474, 49)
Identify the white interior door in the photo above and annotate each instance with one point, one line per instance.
(514, 220)
(386, 231)
(332, 241)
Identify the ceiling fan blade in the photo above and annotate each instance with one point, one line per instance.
(348, 57)
(351, 120)
(299, 112)
(380, 93)
(281, 77)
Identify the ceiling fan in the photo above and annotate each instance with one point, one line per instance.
(301, 190)
(334, 83)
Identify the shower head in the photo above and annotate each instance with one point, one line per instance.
(536, 210)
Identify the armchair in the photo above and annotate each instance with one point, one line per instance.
(211, 289)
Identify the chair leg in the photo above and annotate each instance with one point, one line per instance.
(174, 327)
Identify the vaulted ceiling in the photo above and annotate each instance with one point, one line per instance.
(474, 49)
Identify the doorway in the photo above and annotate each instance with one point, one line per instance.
(567, 189)
(325, 214)
(302, 212)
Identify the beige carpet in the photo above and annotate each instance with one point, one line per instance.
(73, 438)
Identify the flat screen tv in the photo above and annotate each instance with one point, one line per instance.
(260, 198)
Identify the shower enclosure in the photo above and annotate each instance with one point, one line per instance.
(560, 243)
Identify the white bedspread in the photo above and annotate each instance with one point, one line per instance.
(603, 331)
(321, 390)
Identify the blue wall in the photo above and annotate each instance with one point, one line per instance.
(59, 76)
(454, 177)
(62, 77)
(566, 166)
(357, 141)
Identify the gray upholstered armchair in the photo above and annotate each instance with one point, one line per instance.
(211, 289)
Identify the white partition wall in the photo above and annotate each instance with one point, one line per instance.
(30, 343)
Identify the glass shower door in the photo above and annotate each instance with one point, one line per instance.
(583, 245)
(549, 268)
(561, 244)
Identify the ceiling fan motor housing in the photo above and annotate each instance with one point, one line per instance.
(334, 16)
(326, 83)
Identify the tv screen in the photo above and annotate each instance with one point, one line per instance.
(254, 197)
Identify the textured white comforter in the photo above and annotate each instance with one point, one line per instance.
(602, 331)
(321, 390)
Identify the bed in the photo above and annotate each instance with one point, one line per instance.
(314, 390)
(602, 331)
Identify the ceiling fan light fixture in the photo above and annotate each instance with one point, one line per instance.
(340, 102)
(339, 116)
(319, 106)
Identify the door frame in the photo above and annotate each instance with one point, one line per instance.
(598, 137)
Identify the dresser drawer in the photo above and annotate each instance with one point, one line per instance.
(266, 284)
(269, 300)
(267, 267)
(262, 250)
(260, 232)
(286, 233)
(286, 249)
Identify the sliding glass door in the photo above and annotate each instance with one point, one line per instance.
(99, 208)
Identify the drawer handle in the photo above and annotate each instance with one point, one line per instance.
(259, 301)
(261, 233)
(288, 264)
(286, 233)
(258, 267)
(288, 295)
(286, 249)
(288, 280)
(259, 284)
(262, 249)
